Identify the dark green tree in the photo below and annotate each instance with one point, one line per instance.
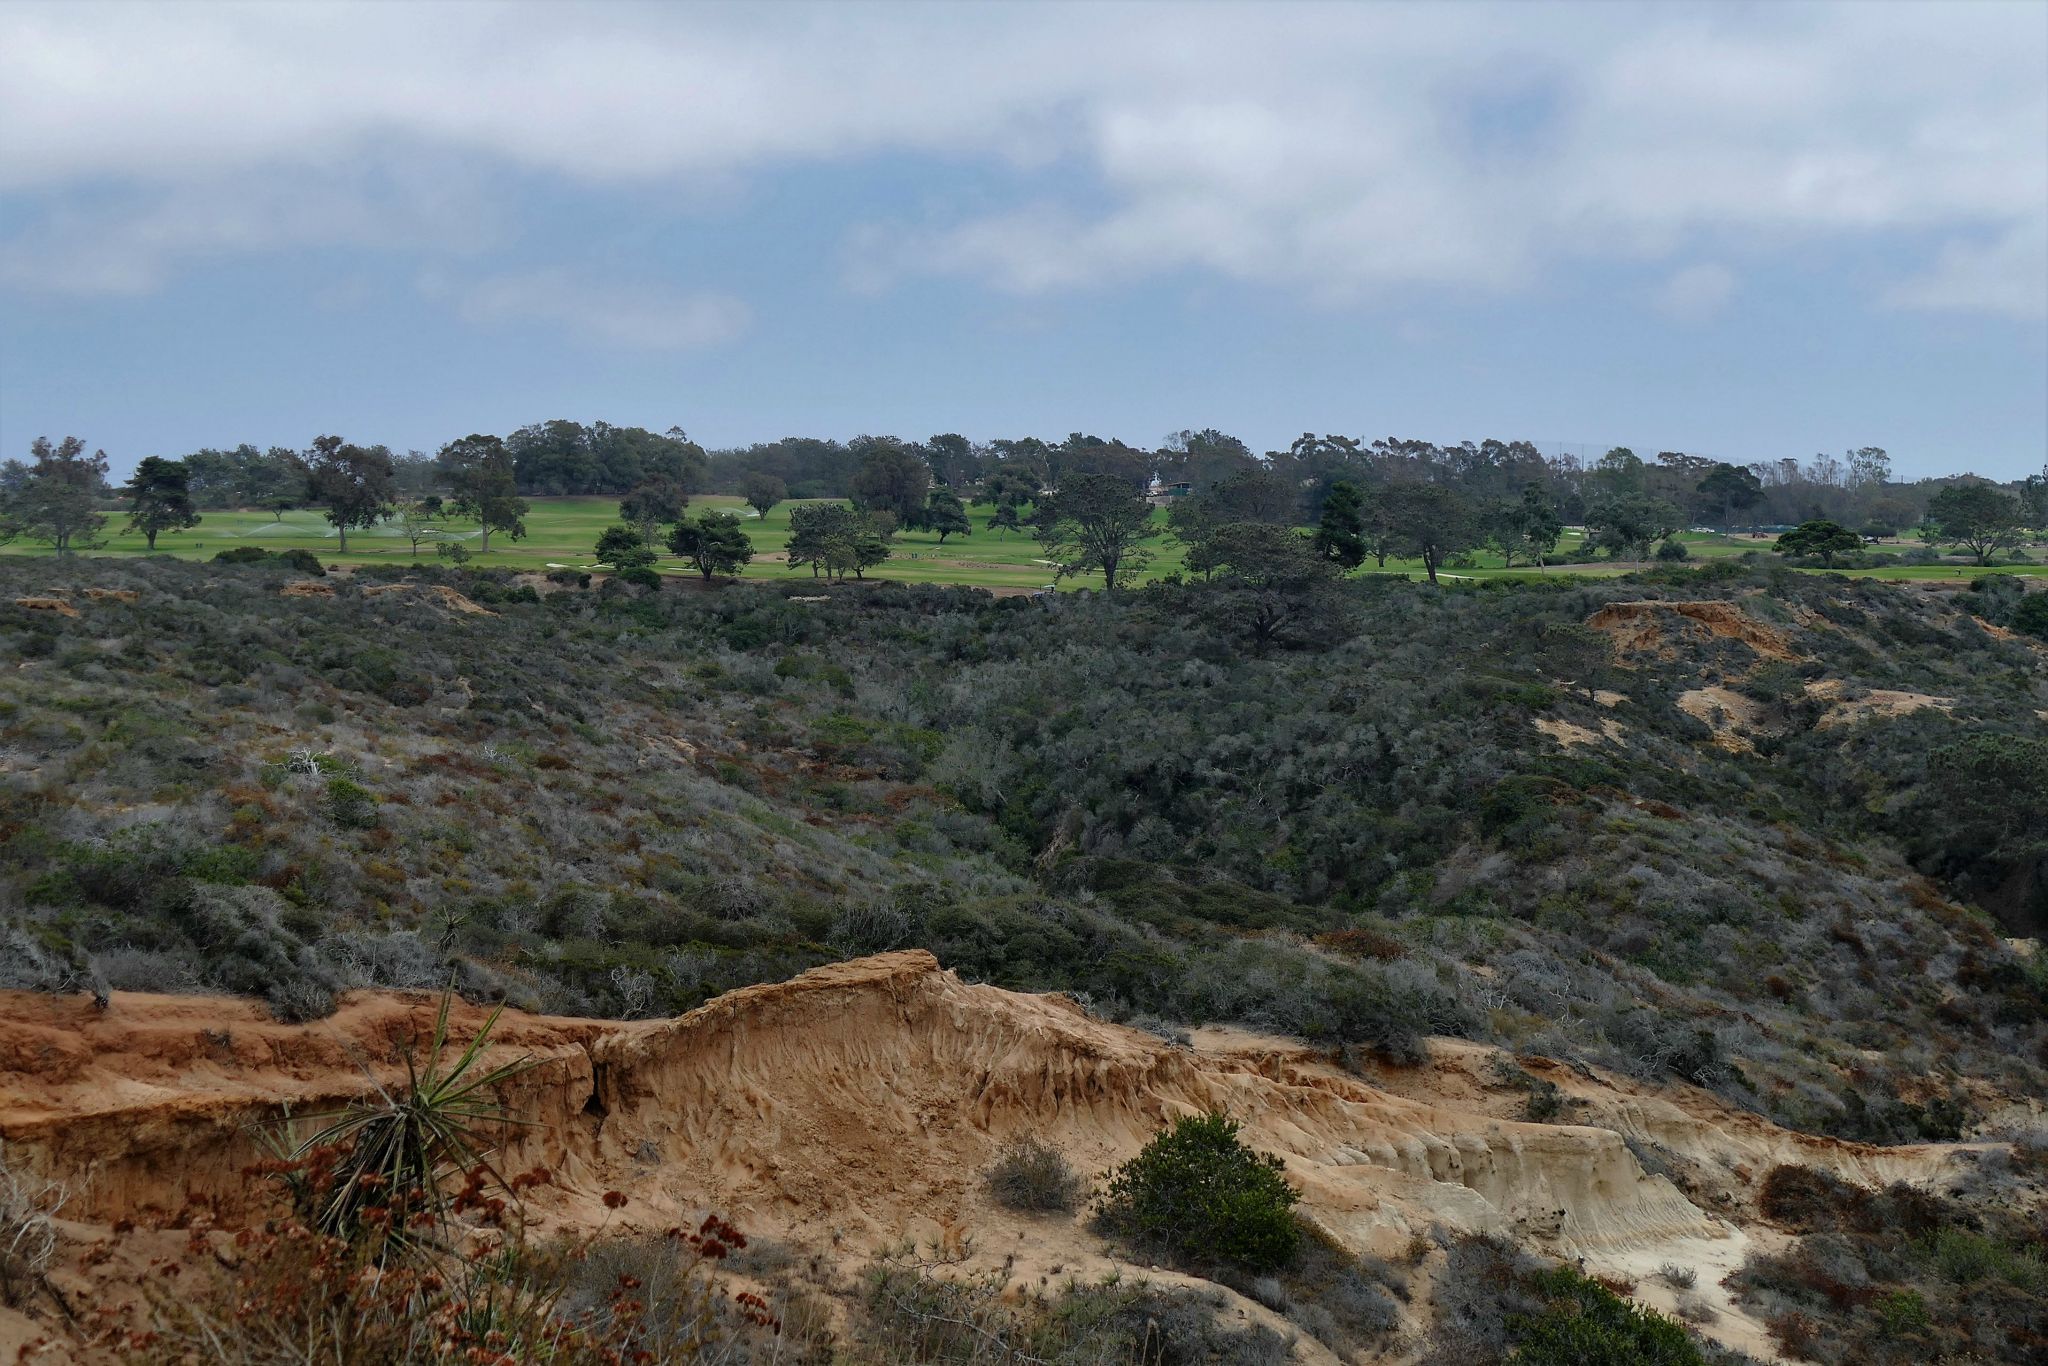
(715, 543)
(1005, 518)
(1205, 458)
(834, 540)
(892, 478)
(624, 548)
(812, 529)
(1541, 527)
(870, 546)
(353, 484)
(1271, 585)
(952, 459)
(653, 504)
(1977, 518)
(944, 515)
(762, 492)
(1823, 539)
(1095, 521)
(2034, 500)
(1527, 527)
(1627, 526)
(1728, 489)
(1620, 473)
(1430, 523)
(1340, 534)
(559, 457)
(1254, 494)
(1376, 516)
(159, 498)
(483, 487)
(1013, 485)
(274, 481)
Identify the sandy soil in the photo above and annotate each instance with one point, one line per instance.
(859, 1104)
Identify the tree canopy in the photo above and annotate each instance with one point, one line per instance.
(653, 504)
(835, 540)
(624, 548)
(763, 492)
(1822, 539)
(483, 487)
(1095, 522)
(159, 498)
(1977, 518)
(1730, 488)
(891, 479)
(560, 457)
(54, 500)
(714, 544)
(1277, 588)
(1430, 523)
(1626, 525)
(353, 484)
(1340, 534)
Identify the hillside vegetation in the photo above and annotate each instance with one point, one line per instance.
(1757, 833)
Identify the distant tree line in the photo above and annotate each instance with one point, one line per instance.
(1083, 497)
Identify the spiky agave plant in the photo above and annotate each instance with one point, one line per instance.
(374, 1171)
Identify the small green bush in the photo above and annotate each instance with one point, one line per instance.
(1199, 1192)
(350, 804)
(1966, 1258)
(2031, 616)
(1903, 1312)
(303, 560)
(1586, 1324)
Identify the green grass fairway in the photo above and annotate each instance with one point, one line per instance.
(561, 532)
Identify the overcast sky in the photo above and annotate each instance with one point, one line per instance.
(1747, 231)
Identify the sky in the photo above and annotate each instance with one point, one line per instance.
(1746, 231)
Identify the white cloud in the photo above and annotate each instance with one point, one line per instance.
(2008, 276)
(131, 241)
(1696, 293)
(1337, 152)
(649, 317)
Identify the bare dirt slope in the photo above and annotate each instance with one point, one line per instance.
(858, 1104)
(1660, 628)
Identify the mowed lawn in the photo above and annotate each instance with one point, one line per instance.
(562, 531)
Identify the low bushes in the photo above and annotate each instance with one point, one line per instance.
(1497, 1306)
(1899, 1276)
(1361, 846)
(1583, 1323)
(1034, 1178)
(912, 1316)
(1200, 1194)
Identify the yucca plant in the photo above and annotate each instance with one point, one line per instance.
(374, 1172)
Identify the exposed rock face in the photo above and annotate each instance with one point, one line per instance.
(863, 1100)
(1651, 627)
